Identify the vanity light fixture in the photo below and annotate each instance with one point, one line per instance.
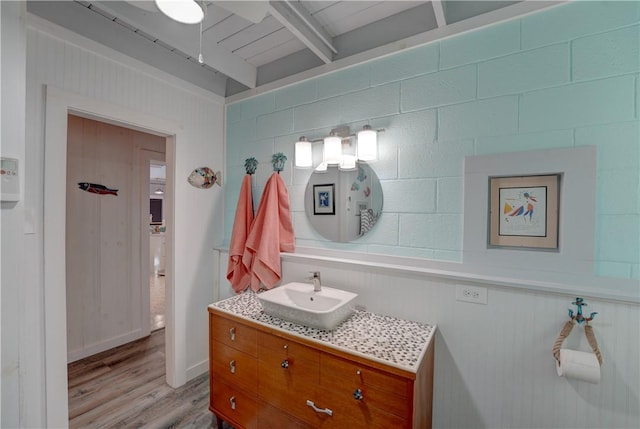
(332, 149)
(366, 149)
(184, 11)
(303, 153)
(159, 191)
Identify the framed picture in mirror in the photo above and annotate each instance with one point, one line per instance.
(324, 199)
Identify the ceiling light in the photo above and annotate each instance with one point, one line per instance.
(184, 11)
(158, 191)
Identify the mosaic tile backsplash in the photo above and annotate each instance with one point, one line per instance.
(393, 341)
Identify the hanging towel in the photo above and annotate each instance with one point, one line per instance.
(367, 221)
(237, 273)
(271, 233)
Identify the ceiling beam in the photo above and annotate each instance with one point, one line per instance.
(183, 37)
(516, 10)
(312, 23)
(304, 27)
(438, 11)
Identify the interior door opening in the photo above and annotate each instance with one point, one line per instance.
(110, 229)
(59, 105)
(157, 244)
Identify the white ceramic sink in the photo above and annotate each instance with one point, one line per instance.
(298, 303)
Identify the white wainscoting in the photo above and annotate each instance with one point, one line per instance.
(494, 367)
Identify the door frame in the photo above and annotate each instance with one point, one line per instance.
(59, 104)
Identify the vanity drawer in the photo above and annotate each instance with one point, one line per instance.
(234, 367)
(233, 334)
(234, 406)
(288, 374)
(271, 417)
(350, 372)
(379, 389)
(352, 414)
(284, 348)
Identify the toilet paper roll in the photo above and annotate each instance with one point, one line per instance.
(578, 365)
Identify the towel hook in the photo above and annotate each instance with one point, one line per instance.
(579, 302)
(278, 160)
(250, 165)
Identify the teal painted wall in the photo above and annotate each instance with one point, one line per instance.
(566, 77)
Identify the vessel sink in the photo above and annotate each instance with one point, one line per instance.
(298, 303)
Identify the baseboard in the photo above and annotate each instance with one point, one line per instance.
(102, 346)
(198, 369)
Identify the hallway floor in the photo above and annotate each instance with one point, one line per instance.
(157, 302)
(125, 387)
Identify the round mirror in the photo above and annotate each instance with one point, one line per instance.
(343, 205)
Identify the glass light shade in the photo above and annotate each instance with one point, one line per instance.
(332, 149)
(303, 153)
(184, 11)
(367, 144)
(348, 163)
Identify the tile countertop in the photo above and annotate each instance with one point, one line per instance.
(389, 340)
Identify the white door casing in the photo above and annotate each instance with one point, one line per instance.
(59, 104)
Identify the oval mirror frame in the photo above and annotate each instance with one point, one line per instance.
(341, 205)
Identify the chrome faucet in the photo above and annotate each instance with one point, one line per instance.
(315, 278)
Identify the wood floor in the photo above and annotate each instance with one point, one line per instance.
(125, 388)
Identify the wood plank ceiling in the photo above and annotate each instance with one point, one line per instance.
(246, 44)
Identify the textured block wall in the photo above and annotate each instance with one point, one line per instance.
(566, 77)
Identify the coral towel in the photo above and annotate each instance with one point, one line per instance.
(271, 233)
(237, 273)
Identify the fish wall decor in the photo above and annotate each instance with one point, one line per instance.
(95, 188)
(204, 178)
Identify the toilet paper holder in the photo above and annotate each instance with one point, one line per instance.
(588, 330)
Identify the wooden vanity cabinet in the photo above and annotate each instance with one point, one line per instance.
(276, 375)
(233, 372)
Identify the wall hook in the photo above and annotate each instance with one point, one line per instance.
(278, 160)
(250, 165)
(579, 317)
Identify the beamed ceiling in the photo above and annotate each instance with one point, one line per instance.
(257, 44)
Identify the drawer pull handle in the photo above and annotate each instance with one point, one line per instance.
(232, 401)
(232, 334)
(285, 364)
(357, 395)
(286, 346)
(232, 366)
(358, 372)
(319, 410)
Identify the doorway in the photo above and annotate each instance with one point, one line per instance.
(59, 104)
(157, 243)
(107, 234)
